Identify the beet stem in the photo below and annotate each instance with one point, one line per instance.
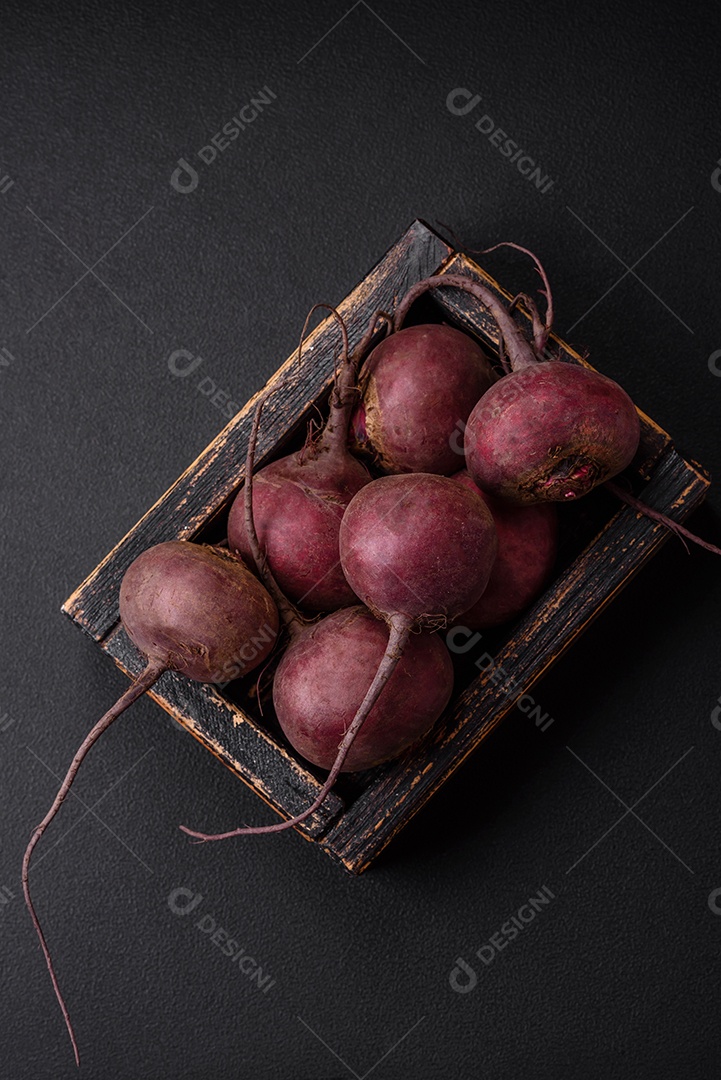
(144, 681)
(542, 337)
(400, 627)
(346, 394)
(520, 351)
(657, 516)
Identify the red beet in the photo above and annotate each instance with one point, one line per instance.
(527, 543)
(300, 499)
(548, 430)
(191, 609)
(325, 674)
(419, 387)
(418, 549)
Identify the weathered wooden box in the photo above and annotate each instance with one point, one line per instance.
(604, 545)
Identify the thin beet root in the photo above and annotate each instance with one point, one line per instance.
(662, 519)
(191, 609)
(300, 499)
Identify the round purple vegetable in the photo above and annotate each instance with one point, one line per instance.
(300, 499)
(419, 387)
(325, 673)
(191, 609)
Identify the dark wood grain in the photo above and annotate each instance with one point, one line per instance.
(354, 829)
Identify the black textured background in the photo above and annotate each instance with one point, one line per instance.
(619, 975)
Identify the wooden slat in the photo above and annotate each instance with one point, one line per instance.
(565, 610)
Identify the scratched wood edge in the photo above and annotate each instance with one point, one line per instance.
(207, 483)
(465, 309)
(249, 751)
(384, 808)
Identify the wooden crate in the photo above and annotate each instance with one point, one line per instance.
(608, 545)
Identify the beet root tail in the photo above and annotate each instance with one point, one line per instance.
(152, 672)
(662, 519)
(400, 628)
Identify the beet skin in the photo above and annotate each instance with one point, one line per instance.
(550, 431)
(315, 709)
(299, 503)
(197, 610)
(419, 387)
(527, 544)
(418, 545)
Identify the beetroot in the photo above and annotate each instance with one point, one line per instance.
(419, 387)
(548, 430)
(315, 706)
(527, 544)
(300, 499)
(418, 549)
(191, 609)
